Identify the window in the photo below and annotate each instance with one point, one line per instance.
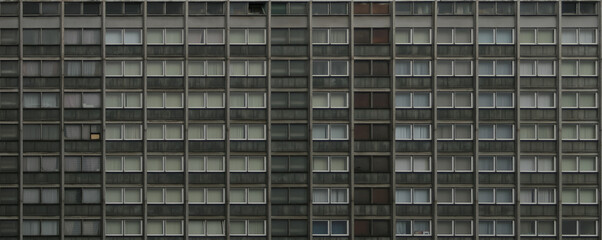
(40, 228)
(205, 100)
(164, 164)
(164, 68)
(372, 68)
(579, 131)
(579, 100)
(40, 164)
(247, 36)
(164, 228)
(82, 196)
(81, 36)
(330, 100)
(496, 164)
(372, 164)
(247, 68)
(198, 227)
(330, 8)
(123, 195)
(40, 195)
(81, 68)
(123, 68)
(123, 100)
(454, 36)
(247, 132)
(288, 228)
(454, 164)
(82, 8)
(205, 36)
(454, 196)
(165, 8)
(289, 196)
(247, 195)
(496, 68)
(82, 132)
(372, 100)
(205, 68)
(413, 228)
(537, 99)
(579, 228)
(248, 8)
(330, 196)
(123, 163)
(582, 36)
(579, 8)
(40, 100)
(537, 196)
(206, 132)
(289, 132)
(123, 132)
(454, 228)
(579, 196)
(82, 228)
(247, 228)
(289, 68)
(41, 132)
(330, 132)
(330, 164)
(455, 8)
(289, 100)
(205, 8)
(412, 164)
(413, 196)
(412, 132)
(454, 131)
(205, 163)
(41, 8)
(579, 163)
(123, 227)
(123, 8)
(537, 8)
(496, 196)
(206, 195)
(290, 36)
(413, 36)
(412, 68)
(10, 132)
(371, 36)
(537, 163)
(330, 68)
(496, 8)
(537, 228)
(540, 36)
(578, 68)
(123, 36)
(496, 36)
(9, 9)
(247, 100)
(330, 228)
(11, 68)
(413, 100)
(164, 195)
(496, 100)
(454, 99)
(537, 132)
(41, 68)
(247, 164)
(164, 100)
(537, 68)
(413, 8)
(164, 36)
(330, 35)
(454, 68)
(81, 100)
(370, 8)
(496, 228)
(496, 131)
(289, 8)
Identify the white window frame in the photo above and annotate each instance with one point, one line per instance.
(536, 68)
(205, 197)
(164, 132)
(412, 99)
(578, 197)
(411, 62)
(123, 30)
(453, 68)
(329, 69)
(495, 30)
(329, 41)
(123, 223)
(205, 132)
(495, 126)
(495, 226)
(122, 189)
(578, 131)
(329, 225)
(536, 228)
(578, 164)
(164, 163)
(453, 228)
(454, 201)
(205, 162)
(535, 192)
(494, 68)
(536, 100)
(454, 42)
(453, 159)
(164, 64)
(163, 225)
(328, 131)
(206, 99)
(413, 169)
(578, 68)
(246, 222)
(495, 159)
(329, 97)
(430, 198)
(536, 127)
(204, 221)
(495, 189)
(411, 30)
(122, 160)
(578, 36)
(164, 197)
(164, 36)
(246, 159)
(246, 41)
(536, 34)
(123, 69)
(122, 131)
(577, 99)
(246, 62)
(205, 32)
(536, 163)
(329, 192)
(453, 133)
(246, 100)
(495, 103)
(412, 126)
(124, 100)
(246, 201)
(329, 159)
(246, 132)
(164, 100)
(206, 68)
(429, 233)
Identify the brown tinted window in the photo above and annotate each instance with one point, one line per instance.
(380, 132)
(362, 196)
(380, 35)
(381, 100)
(362, 35)
(380, 68)
(361, 164)
(361, 8)
(380, 196)
(380, 164)
(361, 100)
(362, 228)
(361, 132)
(361, 68)
(380, 8)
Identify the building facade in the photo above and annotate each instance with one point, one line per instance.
(300, 120)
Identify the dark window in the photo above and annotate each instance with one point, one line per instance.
(289, 195)
(285, 228)
(371, 132)
(371, 68)
(496, 8)
(120, 8)
(329, 8)
(289, 163)
(292, 8)
(289, 100)
(41, 8)
(374, 8)
(579, 8)
(31, 8)
(9, 132)
(208, 8)
(160, 8)
(371, 164)
(413, 8)
(371, 35)
(8, 163)
(372, 196)
(289, 132)
(537, 8)
(251, 8)
(289, 68)
(371, 100)
(372, 228)
(9, 195)
(78, 8)
(9, 9)
(455, 8)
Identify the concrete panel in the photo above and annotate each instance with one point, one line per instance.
(580, 21)
(455, 21)
(9, 22)
(123, 22)
(537, 21)
(85, 22)
(248, 21)
(41, 22)
(165, 22)
(330, 21)
(216, 22)
(369, 21)
(413, 21)
(289, 22)
(496, 21)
